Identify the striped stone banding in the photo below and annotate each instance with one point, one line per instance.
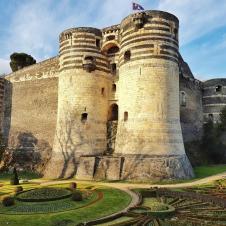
(79, 51)
(78, 46)
(168, 53)
(128, 34)
(81, 30)
(167, 47)
(82, 55)
(138, 53)
(150, 57)
(150, 21)
(64, 43)
(83, 36)
(150, 38)
(80, 62)
(80, 67)
(127, 38)
(77, 41)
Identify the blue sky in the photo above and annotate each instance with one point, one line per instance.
(33, 26)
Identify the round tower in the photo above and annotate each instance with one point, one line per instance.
(149, 133)
(214, 100)
(83, 92)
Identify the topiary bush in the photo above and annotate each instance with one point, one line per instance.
(77, 196)
(14, 180)
(8, 201)
(73, 185)
(43, 194)
(18, 189)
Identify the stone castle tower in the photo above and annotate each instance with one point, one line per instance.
(123, 78)
(116, 103)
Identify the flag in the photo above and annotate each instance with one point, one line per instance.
(137, 6)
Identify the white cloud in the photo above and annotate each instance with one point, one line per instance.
(197, 18)
(4, 66)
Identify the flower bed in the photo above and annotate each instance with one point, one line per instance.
(43, 194)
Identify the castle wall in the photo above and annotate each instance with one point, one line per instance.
(191, 111)
(214, 98)
(33, 110)
(30, 109)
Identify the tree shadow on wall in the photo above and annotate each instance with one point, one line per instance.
(70, 139)
(28, 152)
(6, 124)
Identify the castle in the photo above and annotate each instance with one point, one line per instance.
(117, 103)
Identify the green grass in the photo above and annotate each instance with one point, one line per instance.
(206, 171)
(113, 201)
(22, 175)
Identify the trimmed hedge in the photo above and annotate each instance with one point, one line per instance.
(77, 196)
(43, 194)
(8, 201)
(18, 189)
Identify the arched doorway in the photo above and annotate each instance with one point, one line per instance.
(112, 125)
(113, 113)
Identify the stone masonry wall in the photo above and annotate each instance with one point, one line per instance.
(191, 112)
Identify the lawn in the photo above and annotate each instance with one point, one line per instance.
(113, 201)
(206, 171)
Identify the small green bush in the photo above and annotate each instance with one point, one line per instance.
(14, 180)
(73, 185)
(8, 201)
(77, 196)
(18, 189)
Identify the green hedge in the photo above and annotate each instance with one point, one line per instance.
(43, 194)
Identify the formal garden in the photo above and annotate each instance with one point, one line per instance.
(29, 200)
(31, 203)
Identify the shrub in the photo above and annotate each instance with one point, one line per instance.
(8, 201)
(18, 189)
(73, 185)
(77, 196)
(43, 194)
(14, 180)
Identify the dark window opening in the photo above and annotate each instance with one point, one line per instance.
(102, 91)
(89, 58)
(175, 31)
(113, 50)
(210, 117)
(183, 99)
(127, 55)
(84, 117)
(113, 68)
(113, 113)
(125, 116)
(110, 37)
(113, 88)
(98, 43)
(218, 89)
(68, 35)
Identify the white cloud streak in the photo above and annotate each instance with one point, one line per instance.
(197, 18)
(4, 66)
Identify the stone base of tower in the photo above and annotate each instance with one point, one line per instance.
(156, 167)
(134, 167)
(130, 167)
